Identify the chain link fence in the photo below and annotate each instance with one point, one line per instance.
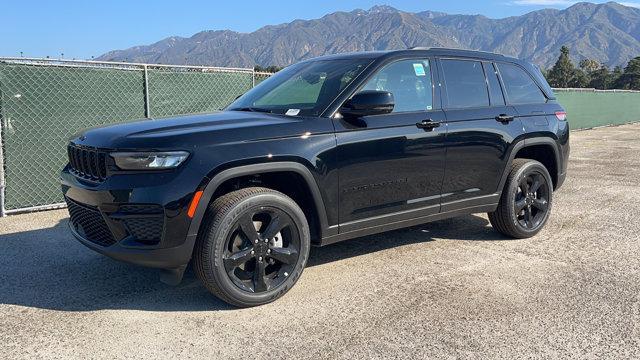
(259, 77)
(45, 102)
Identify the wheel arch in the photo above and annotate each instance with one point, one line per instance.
(257, 169)
(528, 148)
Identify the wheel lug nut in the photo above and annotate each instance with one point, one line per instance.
(286, 274)
(266, 240)
(252, 252)
(268, 251)
(260, 258)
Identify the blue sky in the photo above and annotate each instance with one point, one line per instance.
(81, 29)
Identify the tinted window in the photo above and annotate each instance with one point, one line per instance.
(519, 86)
(296, 90)
(465, 84)
(305, 88)
(495, 91)
(410, 83)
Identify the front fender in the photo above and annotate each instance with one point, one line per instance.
(233, 172)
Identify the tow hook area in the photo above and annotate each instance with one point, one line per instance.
(174, 276)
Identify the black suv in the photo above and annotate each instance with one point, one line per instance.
(325, 150)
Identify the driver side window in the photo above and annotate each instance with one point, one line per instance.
(410, 83)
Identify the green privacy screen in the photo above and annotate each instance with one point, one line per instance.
(589, 108)
(191, 92)
(42, 107)
(43, 103)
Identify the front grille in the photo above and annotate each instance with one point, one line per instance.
(146, 230)
(90, 224)
(144, 222)
(140, 209)
(88, 163)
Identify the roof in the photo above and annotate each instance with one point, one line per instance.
(427, 51)
(445, 52)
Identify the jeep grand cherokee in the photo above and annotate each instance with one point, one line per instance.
(325, 150)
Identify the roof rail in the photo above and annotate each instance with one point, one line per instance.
(454, 49)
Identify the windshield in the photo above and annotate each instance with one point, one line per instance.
(303, 89)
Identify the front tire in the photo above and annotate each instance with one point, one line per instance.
(253, 246)
(525, 204)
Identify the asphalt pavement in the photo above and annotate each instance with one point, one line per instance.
(449, 289)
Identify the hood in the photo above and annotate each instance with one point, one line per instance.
(188, 131)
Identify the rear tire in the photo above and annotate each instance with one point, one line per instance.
(525, 204)
(253, 246)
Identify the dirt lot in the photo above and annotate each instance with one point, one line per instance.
(453, 288)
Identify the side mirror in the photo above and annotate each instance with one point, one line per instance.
(368, 102)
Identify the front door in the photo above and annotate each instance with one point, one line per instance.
(391, 166)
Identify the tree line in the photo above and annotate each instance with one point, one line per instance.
(592, 74)
(564, 74)
(268, 69)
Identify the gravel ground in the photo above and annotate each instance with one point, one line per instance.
(452, 288)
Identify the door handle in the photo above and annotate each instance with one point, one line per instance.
(428, 125)
(504, 118)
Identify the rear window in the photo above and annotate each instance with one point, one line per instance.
(497, 99)
(465, 84)
(519, 86)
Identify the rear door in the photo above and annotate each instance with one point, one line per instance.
(481, 129)
(525, 96)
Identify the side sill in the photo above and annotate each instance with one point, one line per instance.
(470, 203)
(388, 226)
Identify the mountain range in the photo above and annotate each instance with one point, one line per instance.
(608, 33)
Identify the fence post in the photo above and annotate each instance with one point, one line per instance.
(3, 211)
(147, 105)
(253, 78)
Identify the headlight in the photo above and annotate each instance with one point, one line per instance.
(149, 160)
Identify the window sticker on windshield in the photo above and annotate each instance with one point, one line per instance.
(429, 107)
(292, 112)
(419, 69)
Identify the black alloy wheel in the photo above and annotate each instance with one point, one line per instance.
(252, 246)
(525, 202)
(262, 250)
(532, 200)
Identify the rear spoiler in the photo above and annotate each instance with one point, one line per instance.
(539, 78)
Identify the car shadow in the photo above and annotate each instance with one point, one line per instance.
(47, 268)
(463, 228)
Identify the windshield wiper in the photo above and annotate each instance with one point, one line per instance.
(253, 109)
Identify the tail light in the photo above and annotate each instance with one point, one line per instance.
(561, 115)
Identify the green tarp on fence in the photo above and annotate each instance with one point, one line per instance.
(589, 108)
(42, 107)
(43, 103)
(172, 92)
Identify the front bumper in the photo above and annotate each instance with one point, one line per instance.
(168, 258)
(138, 218)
